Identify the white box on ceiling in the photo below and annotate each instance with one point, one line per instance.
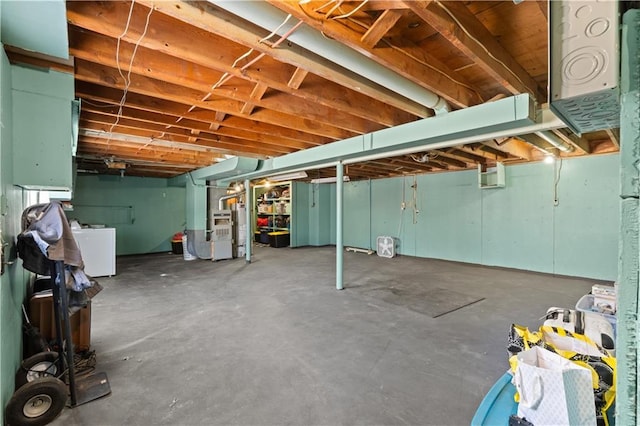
(584, 63)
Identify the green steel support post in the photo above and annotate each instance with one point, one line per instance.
(339, 217)
(248, 202)
(627, 401)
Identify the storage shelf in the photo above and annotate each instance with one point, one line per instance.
(277, 211)
(278, 199)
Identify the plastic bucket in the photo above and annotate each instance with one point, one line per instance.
(185, 251)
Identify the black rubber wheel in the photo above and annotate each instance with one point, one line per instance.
(37, 403)
(43, 364)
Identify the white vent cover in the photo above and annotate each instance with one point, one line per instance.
(584, 64)
(386, 246)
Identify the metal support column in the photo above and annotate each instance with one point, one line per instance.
(249, 209)
(339, 243)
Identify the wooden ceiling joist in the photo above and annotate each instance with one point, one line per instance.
(436, 81)
(168, 124)
(463, 30)
(97, 93)
(223, 144)
(297, 78)
(107, 76)
(206, 17)
(229, 100)
(176, 47)
(512, 146)
(180, 135)
(384, 23)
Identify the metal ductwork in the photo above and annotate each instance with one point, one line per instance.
(554, 140)
(270, 18)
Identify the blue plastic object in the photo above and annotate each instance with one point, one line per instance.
(497, 405)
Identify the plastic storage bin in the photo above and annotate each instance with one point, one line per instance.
(279, 239)
(585, 304)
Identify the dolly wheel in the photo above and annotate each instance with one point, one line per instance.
(37, 403)
(39, 365)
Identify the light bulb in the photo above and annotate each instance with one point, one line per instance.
(549, 159)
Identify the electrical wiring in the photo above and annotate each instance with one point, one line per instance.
(226, 76)
(127, 79)
(483, 46)
(421, 62)
(366, 27)
(333, 9)
(124, 32)
(106, 105)
(556, 180)
(354, 11)
(415, 58)
(318, 9)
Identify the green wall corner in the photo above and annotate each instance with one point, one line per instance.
(146, 212)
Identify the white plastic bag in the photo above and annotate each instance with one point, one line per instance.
(553, 390)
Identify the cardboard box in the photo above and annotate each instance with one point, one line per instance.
(42, 316)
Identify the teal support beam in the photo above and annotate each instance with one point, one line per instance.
(248, 202)
(227, 169)
(627, 398)
(506, 117)
(339, 217)
(196, 208)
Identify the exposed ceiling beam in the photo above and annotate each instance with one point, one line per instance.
(107, 76)
(393, 59)
(97, 93)
(168, 122)
(462, 29)
(182, 135)
(297, 78)
(175, 58)
(223, 144)
(206, 17)
(512, 146)
(384, 23)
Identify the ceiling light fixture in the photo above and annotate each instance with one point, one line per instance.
(287, 176)
(549, 159)
(332, 179)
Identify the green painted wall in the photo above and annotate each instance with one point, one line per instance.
(300, 215)
(520, 226)
(358, 221)
(517, 221)
(13, 281)
(42, 124)
(444, 199)
(319, 216)
(146, 212)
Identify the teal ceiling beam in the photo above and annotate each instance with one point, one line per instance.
(227, 169)
(506, 117)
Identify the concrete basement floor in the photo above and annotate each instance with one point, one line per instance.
(273, 342)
